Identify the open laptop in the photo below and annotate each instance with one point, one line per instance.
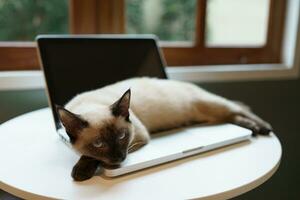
(74, 64)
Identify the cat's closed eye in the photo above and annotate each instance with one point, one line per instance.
(98, 143)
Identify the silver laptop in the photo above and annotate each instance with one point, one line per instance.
(101, 60)
(179, 143)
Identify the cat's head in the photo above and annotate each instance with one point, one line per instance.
(103, 133)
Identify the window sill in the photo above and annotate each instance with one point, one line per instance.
(21, 80)
(233, 73)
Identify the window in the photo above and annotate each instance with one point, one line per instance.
(191, 32)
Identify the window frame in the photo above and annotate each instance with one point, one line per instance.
(108, 16)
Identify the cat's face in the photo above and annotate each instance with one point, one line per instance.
(104, 134)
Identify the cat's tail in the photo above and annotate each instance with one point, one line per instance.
(249, 120)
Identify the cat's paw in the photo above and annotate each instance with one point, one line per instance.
(264, 129)
(257, 127)
(79, 174)
(84, 169)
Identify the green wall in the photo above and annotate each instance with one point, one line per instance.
(275, 101)
(14, 103)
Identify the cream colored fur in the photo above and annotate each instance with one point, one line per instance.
(155, 105)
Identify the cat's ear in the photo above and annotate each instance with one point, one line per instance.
(73, 123)
(121, 107)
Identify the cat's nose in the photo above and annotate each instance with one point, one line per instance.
(117, 160)
(118, 157)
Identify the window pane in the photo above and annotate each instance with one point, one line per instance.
(237, 22)
(170, 20)
(24, 19)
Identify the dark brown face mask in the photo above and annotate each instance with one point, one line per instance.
(111, 146)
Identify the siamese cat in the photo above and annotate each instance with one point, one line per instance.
(104, 125)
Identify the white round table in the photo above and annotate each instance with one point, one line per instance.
(36, 164)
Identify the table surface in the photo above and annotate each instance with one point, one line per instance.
(36, 164)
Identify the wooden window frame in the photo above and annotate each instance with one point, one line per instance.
(200, 54)
(108, 16)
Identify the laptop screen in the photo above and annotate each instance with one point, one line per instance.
(76, 64)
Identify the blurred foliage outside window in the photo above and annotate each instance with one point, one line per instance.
(22, 20)
(170, 20)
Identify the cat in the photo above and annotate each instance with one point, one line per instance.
(104, 127)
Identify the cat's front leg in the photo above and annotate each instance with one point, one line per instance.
(141, 135)
(85, 168)
(139, 141)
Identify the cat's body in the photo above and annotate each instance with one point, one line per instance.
(155, 104)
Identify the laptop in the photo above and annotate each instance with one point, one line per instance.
(74, 64)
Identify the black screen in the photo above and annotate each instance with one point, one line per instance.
(76, 64)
